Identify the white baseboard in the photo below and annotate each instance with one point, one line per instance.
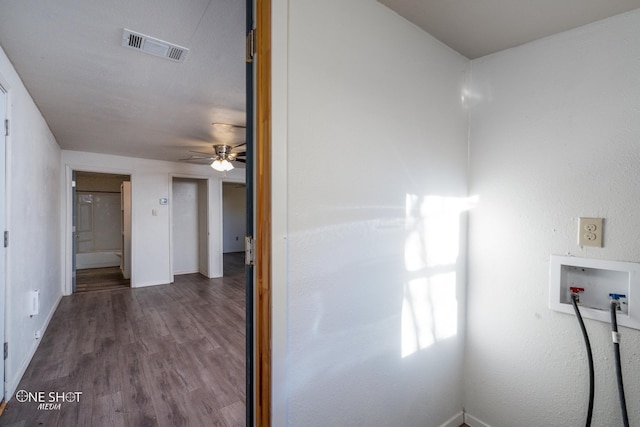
(473, 421)
(146, 284)
(455, 421)
(178, 273)
(10, 386)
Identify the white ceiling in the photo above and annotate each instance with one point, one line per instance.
(100, 97)
(477, 28)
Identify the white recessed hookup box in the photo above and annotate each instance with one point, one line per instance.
(599, 278)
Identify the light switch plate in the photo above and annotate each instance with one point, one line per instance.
(590, 232)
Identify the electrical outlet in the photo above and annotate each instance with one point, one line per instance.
(590, 232)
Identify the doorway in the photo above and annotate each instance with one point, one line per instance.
(189, 226)
(102, 205)
(234, 217)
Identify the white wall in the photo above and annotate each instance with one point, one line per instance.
(234, 208)
(151, 181)
(33, 220)
(554, 136)
(368, 122)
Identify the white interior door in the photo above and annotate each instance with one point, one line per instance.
(3, 227)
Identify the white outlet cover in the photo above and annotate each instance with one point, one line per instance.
(590, 232)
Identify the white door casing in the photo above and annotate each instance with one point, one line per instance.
(3, 227)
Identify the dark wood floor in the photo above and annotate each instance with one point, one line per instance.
(169, 355)
(100, 279)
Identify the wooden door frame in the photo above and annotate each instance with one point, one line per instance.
(263, 214)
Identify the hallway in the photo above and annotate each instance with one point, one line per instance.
(168, 355)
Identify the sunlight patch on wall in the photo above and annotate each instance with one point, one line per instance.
(432, 245)
(429, 312)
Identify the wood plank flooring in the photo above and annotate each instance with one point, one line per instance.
(169, 355)
(100, 279)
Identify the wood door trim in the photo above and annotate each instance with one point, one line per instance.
(263, 213)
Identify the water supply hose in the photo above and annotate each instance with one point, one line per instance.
(589, 357)
(616, 351)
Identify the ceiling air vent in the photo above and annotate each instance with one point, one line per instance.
(153, 46)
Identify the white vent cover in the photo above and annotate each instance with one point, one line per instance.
(153, 46)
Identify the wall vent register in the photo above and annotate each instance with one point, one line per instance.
(153, 46)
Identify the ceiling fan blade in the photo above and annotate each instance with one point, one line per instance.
(241, 160)
(227, 125)
(239, 145)
(210, 155)
(199, 160)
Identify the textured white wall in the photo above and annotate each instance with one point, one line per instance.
(554, 136)
(373, 115)
(33, 220)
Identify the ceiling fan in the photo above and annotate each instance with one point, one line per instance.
(224, 154)
(222, 159)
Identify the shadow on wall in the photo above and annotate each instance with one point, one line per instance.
(432, 246)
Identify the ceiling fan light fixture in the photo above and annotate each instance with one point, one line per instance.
(222, 165)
